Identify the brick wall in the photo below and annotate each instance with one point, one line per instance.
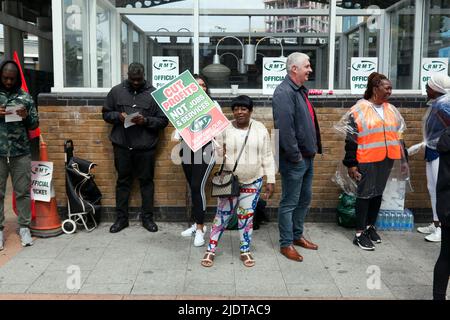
(84, 125)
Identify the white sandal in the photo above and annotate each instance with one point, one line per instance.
(208, 259)
(247, 259)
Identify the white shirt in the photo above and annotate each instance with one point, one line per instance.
(379, 109)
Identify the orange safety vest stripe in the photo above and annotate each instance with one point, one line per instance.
(377, 138)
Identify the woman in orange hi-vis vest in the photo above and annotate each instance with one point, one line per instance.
(373, 143)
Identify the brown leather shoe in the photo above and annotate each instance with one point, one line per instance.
(302, 242)
(291, 253)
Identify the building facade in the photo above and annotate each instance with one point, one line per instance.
(95, 40)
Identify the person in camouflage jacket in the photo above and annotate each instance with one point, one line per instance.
(15, 154)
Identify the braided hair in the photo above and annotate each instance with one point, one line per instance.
(373, 81)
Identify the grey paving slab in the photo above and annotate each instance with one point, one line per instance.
(407, 275)
(84, 258)
(349, 291)
(258, 283)
(13, 288)
(162, 258)
(115, 271)
(160, 282)
(43, 249)
(417, 251)
(215, 289)
(167, 240)
(262, 250)
(106, 288)
(217, 274)
(23, 271)
(96, 238)
(329, 290)
(412, 292)
(57, 281)
(263, 262)
(164, 263)
(118, 253)
(356, 283)
(307, 275)
(224, 254)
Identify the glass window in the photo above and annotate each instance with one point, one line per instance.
(103, 47)
(229, 31)
(124, 50)
(402, 46)
(437, 29)
(356, 38)
(167, 36)
(136, 47)
(224, 59)
(76, 43)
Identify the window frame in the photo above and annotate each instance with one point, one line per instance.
(118, 14)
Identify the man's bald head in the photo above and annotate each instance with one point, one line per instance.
(9, 75)
(10, 66)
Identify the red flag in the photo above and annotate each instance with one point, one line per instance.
(31, 133)
(24, 83)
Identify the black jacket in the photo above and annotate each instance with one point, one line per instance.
(299, 137)
(443, 181)
(123, 98)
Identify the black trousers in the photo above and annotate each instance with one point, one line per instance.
(442, 267)
(132, 164)
(366, 211)
(197, 167)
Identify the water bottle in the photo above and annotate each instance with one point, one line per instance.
(387, 222)
(411, 221)
(391, 220)
(379, 219)
(405, 221)
(398, 220)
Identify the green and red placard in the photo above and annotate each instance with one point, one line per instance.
(190, 110)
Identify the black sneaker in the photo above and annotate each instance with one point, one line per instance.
(364, 242)
(373, 235)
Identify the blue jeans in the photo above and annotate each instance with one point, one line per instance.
(296, 183)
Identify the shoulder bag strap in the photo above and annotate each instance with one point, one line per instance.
(243, 146)
(240, 153)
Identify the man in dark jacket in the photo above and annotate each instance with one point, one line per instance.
(299, 134)
(134, 146)
(441, 272)
(17, 115)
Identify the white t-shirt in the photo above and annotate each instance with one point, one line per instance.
(379, 109)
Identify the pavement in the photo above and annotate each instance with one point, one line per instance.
(136, 264)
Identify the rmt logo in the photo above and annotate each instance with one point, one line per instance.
(365, 66)
(434, 66)
(276, 66)
(166, 65)
(41, 169)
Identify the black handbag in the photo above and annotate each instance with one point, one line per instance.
(225, 183)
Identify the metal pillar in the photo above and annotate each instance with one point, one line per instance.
(45, 46)
(13, 37)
